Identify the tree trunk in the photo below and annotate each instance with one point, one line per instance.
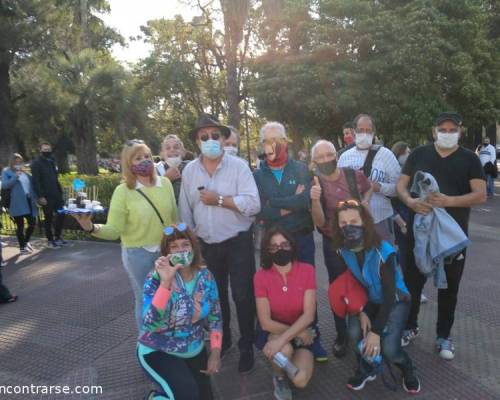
(85, 142)
(233, 89)
(7, 136)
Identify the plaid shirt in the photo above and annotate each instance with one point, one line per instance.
(385, 171)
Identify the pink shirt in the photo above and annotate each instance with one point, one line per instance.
(286, 301)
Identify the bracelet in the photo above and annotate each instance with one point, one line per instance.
(220, 201)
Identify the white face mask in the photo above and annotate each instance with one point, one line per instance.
(363, 140)
(232, 151)
(402, 159)
(447, 140)
(173, 162)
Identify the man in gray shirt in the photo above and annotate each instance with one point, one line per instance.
(218, 201)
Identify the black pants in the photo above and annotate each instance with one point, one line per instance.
(4, 292)
(22, 236)
(178, 377)
(447, 298)
(335, 268)
(233, 262)
(49, 211)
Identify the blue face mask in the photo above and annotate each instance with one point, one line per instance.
(211, 149)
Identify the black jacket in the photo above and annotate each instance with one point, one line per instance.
(45, 182)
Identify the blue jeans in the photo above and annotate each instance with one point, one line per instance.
(490, 185)
(138, 262)
(390, 341)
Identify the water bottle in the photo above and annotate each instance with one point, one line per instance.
(375, 361)
(284, 363)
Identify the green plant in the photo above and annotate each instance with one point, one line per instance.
(102, 185)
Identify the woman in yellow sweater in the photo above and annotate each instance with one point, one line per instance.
(140, 208)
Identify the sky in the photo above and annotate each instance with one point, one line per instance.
(128, 15)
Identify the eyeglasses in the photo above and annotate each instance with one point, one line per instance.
(131, 142)
(169, 230)
(214, 136)
(273, 248)
(348, 203)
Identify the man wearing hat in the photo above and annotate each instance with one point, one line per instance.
(218, 200)
(461, 181)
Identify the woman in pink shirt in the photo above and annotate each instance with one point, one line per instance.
(285, 291)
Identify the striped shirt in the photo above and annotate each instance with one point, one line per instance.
(385, 171)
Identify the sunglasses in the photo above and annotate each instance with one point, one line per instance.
(213, 136)
(348, 203)
(131, 142)
(169, 230)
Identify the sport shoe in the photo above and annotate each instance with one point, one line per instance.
(411, 384)
(29, 247)
(320, 354)
(61, 242)
(408, 336)
(339, 349)
(423, 299)
(282, 390)
(445, 348)
(24, 251)
(358, 381)
(53, 245)
(3, 263)
(246, 362)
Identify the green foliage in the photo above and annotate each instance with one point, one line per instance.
(104, 185)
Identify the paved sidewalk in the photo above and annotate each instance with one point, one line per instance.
(73, 325)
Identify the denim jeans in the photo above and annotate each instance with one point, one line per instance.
(390, 341)
(138, 262)
(490, 185)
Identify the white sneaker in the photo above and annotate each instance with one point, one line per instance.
(3, 263)
(445, 348)
(423, 299)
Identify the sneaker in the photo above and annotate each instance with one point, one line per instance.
(24, 251)
(53, 245)
(282, 390)
(445, 348)
(339, 349)
(411, 384)
(358, 381)
(246, 363)
(3, 263)
(423, 299)
(61, 242)
(3, 244)
(29, 247)
(408, 336)
(320, 354)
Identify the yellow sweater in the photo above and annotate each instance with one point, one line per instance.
(132, 219)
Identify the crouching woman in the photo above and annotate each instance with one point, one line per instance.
(373, 263)
(180, 298)
(285, 291)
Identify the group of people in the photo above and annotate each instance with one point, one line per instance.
(187, 233)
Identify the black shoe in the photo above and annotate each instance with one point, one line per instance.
(339, 348)
(411, 383)
(246, 363)
(358, 381)
(227, 346)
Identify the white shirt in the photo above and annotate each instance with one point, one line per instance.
(25, 182)
(139, 185)
(487, 154)
(385, 171)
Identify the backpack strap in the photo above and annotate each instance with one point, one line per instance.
(350, 176)
(367, 166)
(152, 205)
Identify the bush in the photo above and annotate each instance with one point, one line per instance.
(103, 185)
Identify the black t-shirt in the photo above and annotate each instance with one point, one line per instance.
(452, 173)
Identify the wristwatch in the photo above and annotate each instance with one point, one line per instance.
(220, 201)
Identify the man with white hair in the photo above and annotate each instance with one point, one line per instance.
(380, 165)
(171, 164)
(284, 188)
(331, 186)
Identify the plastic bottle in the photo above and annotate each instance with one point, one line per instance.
(377, 360)
(283, 362)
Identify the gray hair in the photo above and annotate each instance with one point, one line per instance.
(172, 137)
(363, 116)
(272, 126)
(320, 142)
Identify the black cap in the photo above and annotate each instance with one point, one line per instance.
(454, 117)
(208, 120)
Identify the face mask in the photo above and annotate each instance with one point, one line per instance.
(185, 258)
(231, 150)
(447, 140)
(364, 140)
(281, 257)
(173, 162)
(18, 167)
(327, 168)
(402, 159)
(485, 144)
(353, 236)
(211, 149)
(46, 154)
(280, 155)
(144, 168)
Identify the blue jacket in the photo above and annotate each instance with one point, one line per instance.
(369, 275)
(437, 234)
(18, 202)
(275, 196)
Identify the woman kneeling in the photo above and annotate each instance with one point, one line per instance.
(285, 292)
(180, 298)
(377, 329)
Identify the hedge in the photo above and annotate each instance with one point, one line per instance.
(104, 184)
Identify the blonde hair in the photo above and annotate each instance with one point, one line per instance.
(128, 154)
(13, 159)
(172, 137)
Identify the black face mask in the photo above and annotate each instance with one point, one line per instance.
(354, 236)
(46, 154)
(485, 144)
(327, 168)
(281, 257)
